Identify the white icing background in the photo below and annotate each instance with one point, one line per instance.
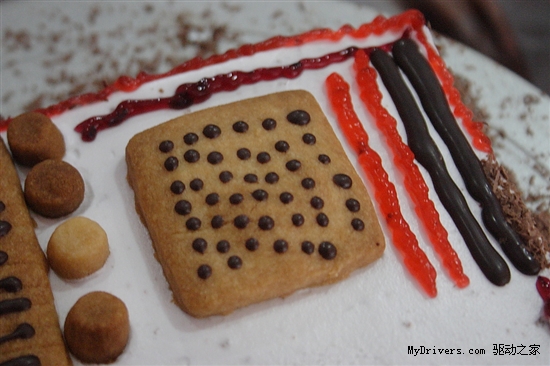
(370, 318)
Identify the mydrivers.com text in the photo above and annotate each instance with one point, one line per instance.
(495, 350)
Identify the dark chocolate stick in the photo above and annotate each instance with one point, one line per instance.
(435, 104)
(428, 155)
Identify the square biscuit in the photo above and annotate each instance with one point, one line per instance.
(249, 201)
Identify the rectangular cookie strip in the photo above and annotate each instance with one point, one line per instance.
(250, 201)
(29, 325)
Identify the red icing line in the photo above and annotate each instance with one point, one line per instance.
(409, 19)
(403, 158)
(415, 260)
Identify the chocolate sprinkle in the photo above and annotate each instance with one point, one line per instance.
(183, 207)
(309, 139)
(234, 262)
(297, 219)
(322, 220)
(353, 205)
(193, 223)
(223, 246)
(308, 183)
(266, 223)
(236, 198)
(272, 178)
(211, 131)
(280, 246)
(177, 187)
(298, 117)
(308, 247)
(241, 221)
(251, 178)
(192, 156)
(196, 184)
(286, 197)
(269, 124)
(204, 271)
(215, 157)
(5, 228)
(325, 159)
(317, 202)
(358, 224)
(327, 250)
(342, 180)
(243, 153)
(293, 165)
(199, 245)
(252, 244)
(171, 163)
(212, 199)
(226, 176)
(260, 195)
(217, 221)
(240, 126)
(263, 157)
(190, 138)
(282, 146)
(166, 146)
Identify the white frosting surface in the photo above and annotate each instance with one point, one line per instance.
(370, 318)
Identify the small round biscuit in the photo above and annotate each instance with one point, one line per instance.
(97, 328)
(54, 188)
(33, 138)
(77, 248)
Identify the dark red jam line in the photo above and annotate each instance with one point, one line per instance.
(428, 155)
(23, 331)
(28, 360)
(403, 158)
(415, 260)
(433, 100)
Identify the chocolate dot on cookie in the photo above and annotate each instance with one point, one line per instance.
(5, 228)
(280, 246)
(324, 159)
(204, 271)
(217, 221)
(211, 131)
(252, 244)
(309, 139)
(240, 126)
(327, 250)
(241, 221)
(193, 224)
(223, 246)
(171, 163)
(260, 195)
(236, 198)
(266, 223)
(177, 187)
(263, 157)
(322, 219)
(33, 138)
(234, 262)
(297, 219)
(358, 224)
(2, 206)
(243, 153)
(212, 199)
(353, 205)
(269, 124)
(3, 257)
(191, 156)
(317, 203)
(183, 207)
(196, 184)
(308, 183)
(166, 146)
(342, 180)
(214, 157)
(282, 146)
(286, 197)
(190, 138)
(308, 247)
(298, 117)
(272, 178)
(54, 188)
(226, 176)
(251, 178)
(199, 245)
(293, 165)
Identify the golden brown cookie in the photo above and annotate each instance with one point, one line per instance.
(29, 326)
(33, 138)
(250, 201)
(97, 328)
(77, 248)
(54, 188)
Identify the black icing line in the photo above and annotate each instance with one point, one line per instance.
(435, 104)
(29, 360)
(23, 331)
(428, 155)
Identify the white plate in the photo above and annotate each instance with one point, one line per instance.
(340, 324)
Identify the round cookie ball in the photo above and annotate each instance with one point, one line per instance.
(33, 138)
(97, 328)
(54, 188)
(77, 248)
